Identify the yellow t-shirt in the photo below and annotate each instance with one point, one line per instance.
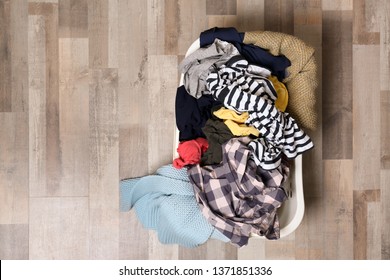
(236, 122)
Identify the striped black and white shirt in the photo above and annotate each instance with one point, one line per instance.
(241, 89)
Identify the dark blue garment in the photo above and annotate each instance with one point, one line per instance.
(192, 113)
(228, 34)
(253, 54)
(258, 56)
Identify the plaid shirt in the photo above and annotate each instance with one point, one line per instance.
(237, 196)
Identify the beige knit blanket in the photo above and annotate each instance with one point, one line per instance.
(301, 80)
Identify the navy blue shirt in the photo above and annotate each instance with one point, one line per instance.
(253, 54)
(192, 113)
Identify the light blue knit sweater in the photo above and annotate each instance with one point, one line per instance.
(165, 202)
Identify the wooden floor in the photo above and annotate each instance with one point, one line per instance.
(87, 94)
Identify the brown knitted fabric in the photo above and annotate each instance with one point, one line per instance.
(301, 80)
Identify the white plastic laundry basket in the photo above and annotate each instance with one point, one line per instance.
(292, 210)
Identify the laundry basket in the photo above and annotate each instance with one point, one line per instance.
(292, 210)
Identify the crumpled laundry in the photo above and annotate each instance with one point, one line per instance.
(236, 122)
(217, 133)
(280, 135)
(279, 131)
(190, 152)
(192, 114)
(237, 197)
(201, 62)
(238, 90)
(165, 202)
(228, 187)
(229, 34)
(255, 54)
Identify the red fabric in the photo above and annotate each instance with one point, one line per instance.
(190, 152)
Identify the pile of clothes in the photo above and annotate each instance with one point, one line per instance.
(236, 140)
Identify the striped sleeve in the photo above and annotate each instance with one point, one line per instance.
(237, 89)
(279, 132)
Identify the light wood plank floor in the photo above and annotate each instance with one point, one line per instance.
(87, 98)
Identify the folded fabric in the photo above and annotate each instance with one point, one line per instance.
(192, 114)
(276, 63)
(237, 197)
(236, 122)
(198, 65)
(190, 152)
(165, 202)
(301, 80)
(279, 131)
